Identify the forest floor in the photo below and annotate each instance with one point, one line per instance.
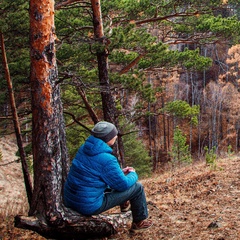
(192, 202)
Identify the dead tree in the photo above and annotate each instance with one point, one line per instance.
(26, 175)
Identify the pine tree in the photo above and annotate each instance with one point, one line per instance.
(180, 150)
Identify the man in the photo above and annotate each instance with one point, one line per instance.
(96, 182)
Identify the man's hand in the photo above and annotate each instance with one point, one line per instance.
(127, 170)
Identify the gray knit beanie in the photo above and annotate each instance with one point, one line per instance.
(105, 131)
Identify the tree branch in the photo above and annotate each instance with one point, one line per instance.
(69, 3)
(5, 164)
(75, 225)
(131, 64)
(75, 120)
(155, 19)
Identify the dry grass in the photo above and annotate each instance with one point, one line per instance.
(12, 190)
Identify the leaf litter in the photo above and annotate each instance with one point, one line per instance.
(192, 202)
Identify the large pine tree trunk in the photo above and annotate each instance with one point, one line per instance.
(49, 144)
(48, 216)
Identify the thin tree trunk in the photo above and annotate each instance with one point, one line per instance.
(81, 92)
(26, 175)
(168, 131)
(164, 127)
(108, 104)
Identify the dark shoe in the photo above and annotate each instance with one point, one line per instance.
(125, 206)
(142, 225)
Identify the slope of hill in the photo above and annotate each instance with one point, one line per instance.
(11, 178)
(193, 202)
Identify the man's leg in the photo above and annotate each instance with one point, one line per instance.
(135, 195)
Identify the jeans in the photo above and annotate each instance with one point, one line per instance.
(134, 194)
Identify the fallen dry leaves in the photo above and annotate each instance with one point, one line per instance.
(192, 202)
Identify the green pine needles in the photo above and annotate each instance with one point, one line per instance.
(182, 110)
(180, 150)
(211, 157)
(136, 154)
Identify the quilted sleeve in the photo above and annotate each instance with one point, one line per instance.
(114, 177)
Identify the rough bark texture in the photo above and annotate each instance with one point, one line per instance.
(108, 104)
(109, 109)
(75, 226)
(48, 216)
(49, 146)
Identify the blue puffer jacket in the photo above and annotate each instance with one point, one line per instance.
(93, 169)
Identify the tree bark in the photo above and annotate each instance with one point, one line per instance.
(108, 104)
(48, 216)
(49, 143)
(26, 175)
(109, 109)
(76, 226)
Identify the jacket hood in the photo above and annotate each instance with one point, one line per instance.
(94, 146)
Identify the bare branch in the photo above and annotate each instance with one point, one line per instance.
(70, 3)
(155, 19)
(75, 120)
(5, 164)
